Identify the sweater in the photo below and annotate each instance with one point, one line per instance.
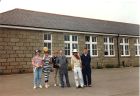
(75, 62)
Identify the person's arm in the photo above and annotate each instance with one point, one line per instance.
(72, 63)
(57, 61)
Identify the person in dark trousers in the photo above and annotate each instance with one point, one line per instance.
(86, 67)
(63, 69)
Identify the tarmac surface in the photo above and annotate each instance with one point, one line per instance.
(105, 82)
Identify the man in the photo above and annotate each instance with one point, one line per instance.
(86, 67)
(63, 69)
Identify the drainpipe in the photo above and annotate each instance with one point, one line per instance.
(118, 50)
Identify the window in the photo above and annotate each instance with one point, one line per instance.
(70, 43)
(109, 46)
(137, 47)
(91, 45)
(48, 42)
(124, 47)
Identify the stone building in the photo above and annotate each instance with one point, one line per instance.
(23, 31)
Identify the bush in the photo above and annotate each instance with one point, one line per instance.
(109, 66)
(135, 65)
(99, 67)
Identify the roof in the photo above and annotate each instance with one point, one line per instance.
(28, 18)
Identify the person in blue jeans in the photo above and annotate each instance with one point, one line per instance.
(37, 63)
(86, 67)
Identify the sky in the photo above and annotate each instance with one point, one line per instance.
(112, 10)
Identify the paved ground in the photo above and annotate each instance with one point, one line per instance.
(106, 82)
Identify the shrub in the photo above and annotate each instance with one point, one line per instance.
(109, 66)
(136, 65)
(99, 67)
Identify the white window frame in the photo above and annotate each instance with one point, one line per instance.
(108, 47)
(90, 44)
(48, 41)
(71, 42)
(125, 44)
(137, 45)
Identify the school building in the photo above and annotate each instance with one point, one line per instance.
(23, 31)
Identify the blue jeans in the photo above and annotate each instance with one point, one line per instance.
(37, 76)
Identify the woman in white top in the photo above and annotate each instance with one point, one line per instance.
(76, 67)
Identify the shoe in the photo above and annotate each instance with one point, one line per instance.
(40, 86)
(34, 87)
(47, 86)
(89, 86)
(55, 85)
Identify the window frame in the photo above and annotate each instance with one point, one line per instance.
(137, 45)
(48, 41)
(90, 43)
(124, 44)
(108, 44)
(71, 42)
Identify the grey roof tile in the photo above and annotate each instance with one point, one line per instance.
(21, 17)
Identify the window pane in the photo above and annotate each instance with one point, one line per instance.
(126, 40)
(67, 49)
(121, 41)
(88, 47)
(74, 46)
(121, 47)
(87, 38)
(110, 39)
(74, 38)
(47, 36)
(66, 38)
(94, 49)
(105, 39)
(94, 39)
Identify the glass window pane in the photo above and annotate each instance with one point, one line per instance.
(66, 38)
(110, 39)
(94, 39)
(105, 39)
(126, 40)
(47, 36)
(74, 46)
(87, 38)
(74, 38)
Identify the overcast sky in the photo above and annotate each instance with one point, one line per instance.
(113, 10)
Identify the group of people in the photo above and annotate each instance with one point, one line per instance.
(80, 65)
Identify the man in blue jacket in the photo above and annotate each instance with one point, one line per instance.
(86, 67)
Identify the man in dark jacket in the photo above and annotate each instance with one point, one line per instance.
(86, 67)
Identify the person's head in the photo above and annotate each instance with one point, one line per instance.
(75, 52)
(61, 52)
(46, 52)
(37, 52)
(85, 51)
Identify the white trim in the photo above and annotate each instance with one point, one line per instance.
(48, 41)
(54, 30)
(124, 44)
(108, 45)
(137, 44)
(71, 42)
(90, 44)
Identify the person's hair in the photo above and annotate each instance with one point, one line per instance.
(76, 56)
(85, 48)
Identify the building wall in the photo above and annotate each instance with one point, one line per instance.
(17, 49)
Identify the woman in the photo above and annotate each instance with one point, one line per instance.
(37, 63)
(47, 66)
(76, 67)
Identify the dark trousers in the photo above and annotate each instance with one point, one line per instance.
(66, 77)
(86, 76)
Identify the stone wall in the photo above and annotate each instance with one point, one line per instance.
(16, 49)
